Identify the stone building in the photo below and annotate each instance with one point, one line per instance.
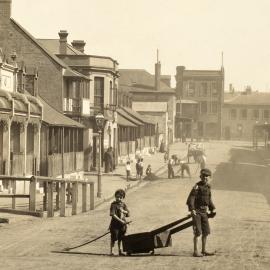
(242, 112)
(199, 101)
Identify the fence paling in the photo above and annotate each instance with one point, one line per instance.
(48, 199)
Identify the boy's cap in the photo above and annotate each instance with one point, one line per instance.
(120, 192)
(206, 172)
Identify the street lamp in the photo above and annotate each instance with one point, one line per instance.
(100, 124)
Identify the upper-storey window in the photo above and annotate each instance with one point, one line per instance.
(111, 93)
(191, 89)
(255, 114)
(266, 114)
(214, 89)
(243, 114)
(99, 92)
(204, 89)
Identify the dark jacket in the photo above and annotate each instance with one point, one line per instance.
(200, 196)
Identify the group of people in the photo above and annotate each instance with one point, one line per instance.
(199, 201)
(139, 169)
(184, 167)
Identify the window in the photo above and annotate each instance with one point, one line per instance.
(233, 114)
(191, 89)
(214, 89)
(204, 89)
(203, 107)
(243, 114)
(255, 114)
(214, 107)
(111, 93)
(265, 114)
(99, 92)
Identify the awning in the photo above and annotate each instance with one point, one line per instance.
(34, 108)
(128, 117)
(121, 121)
(137, 115)
(54, 118)
(5, 104)
(20, 106)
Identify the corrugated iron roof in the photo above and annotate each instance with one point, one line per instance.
(128, 117)
(121, 121)
(137, 115)
(55, 118)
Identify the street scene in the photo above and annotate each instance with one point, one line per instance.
(120, 148)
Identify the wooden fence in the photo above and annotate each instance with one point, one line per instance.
(66, 191)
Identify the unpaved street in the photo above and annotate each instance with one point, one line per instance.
(240, 232)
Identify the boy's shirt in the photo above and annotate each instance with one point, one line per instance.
(128, 167)
(116, 210)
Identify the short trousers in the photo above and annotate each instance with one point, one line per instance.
(117, 233)
(200, 223)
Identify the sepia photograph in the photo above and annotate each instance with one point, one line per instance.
(134, 134)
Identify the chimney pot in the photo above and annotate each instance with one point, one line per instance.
(78, 45)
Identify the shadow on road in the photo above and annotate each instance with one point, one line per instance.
(247, 170)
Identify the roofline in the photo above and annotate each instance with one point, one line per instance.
(88, 55)
(36, 42)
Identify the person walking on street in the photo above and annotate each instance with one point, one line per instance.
(118, 226)
(141, 168)
(170, 168)
(199, 201)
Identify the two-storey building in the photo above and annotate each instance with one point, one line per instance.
(199, 99)
(242, 112)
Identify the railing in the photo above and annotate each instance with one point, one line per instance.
(66, 190)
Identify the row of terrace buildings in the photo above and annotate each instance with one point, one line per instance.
(52, 90)
(50, 93)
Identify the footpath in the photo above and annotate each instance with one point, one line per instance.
(110, 182)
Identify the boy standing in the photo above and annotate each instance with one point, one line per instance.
(170, 168)
(199, 201)
(118, 225)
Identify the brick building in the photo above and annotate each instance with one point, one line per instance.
(200, 95)
(153, 97)
(74, 83)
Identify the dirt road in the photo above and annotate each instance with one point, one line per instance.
(240, 232)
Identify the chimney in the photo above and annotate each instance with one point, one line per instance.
(157, 75)
(78, 45)
(5, 10)
(63, 41)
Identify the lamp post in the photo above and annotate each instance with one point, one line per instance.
(99, 123)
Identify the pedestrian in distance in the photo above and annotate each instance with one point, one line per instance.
(149, 175)
(138, 168)
(170, 168)
(166, 157)
(118, 226)
(184, 167)
(199, 201)
(128, 170)
(141, 168)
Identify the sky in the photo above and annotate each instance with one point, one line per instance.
(191, 33)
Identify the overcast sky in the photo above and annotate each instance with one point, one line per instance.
(192, 33)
